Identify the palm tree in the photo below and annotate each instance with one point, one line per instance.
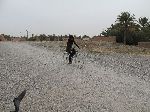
(144, 28)
(126, 21)
(143, 21)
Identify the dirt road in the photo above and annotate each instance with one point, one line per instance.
(103, 83)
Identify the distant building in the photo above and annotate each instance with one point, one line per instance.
(144, 44)
(23, 39)
(102, 38)
(17, 39)
(85, 38)
(76, 38)
(2, 38)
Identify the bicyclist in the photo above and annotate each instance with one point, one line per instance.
(69, 49)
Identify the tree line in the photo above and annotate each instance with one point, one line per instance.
(43, 37)
(129, 30)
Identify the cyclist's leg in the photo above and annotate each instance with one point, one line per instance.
(70, 56)
(73, 52)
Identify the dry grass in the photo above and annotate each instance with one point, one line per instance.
(101, 47)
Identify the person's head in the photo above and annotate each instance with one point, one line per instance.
(71, 37)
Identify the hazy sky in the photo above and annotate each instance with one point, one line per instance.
(58, 17)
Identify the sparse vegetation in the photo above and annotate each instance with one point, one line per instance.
(100, 47)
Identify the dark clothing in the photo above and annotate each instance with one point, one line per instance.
(71, 51)
(71, 54)
(69, 45)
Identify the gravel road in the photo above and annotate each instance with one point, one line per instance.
(98, 83)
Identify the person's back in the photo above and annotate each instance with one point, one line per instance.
(70, 43)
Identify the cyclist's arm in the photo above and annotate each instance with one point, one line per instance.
(76, 44)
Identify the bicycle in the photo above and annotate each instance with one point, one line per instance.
(66, 57)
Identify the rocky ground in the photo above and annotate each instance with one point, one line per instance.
(95, 83)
